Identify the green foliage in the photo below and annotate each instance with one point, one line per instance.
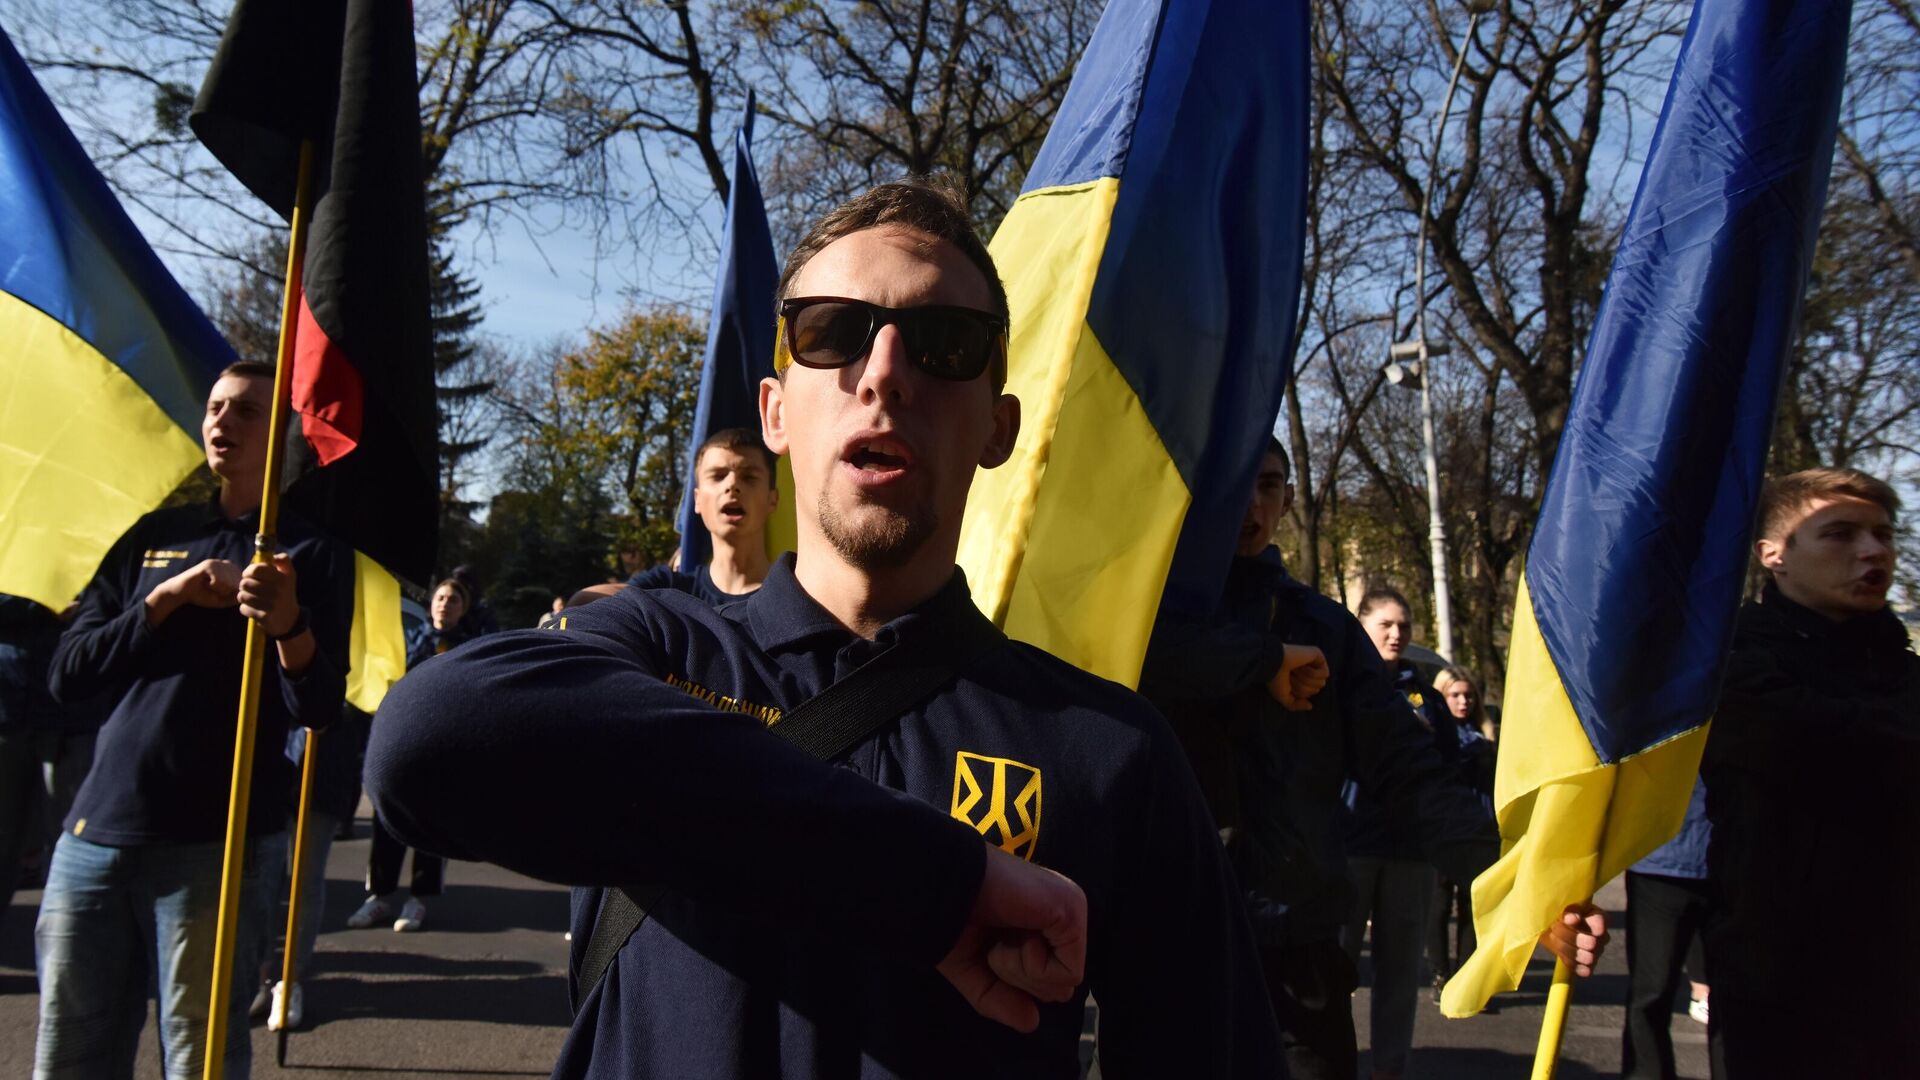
(598, 463)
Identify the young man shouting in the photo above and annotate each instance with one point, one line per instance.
(735, 491)
(1810, 772)
(888, 915)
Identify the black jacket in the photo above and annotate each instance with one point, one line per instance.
(1291, 766)
(1812, 771)
(809, 902)
(164, 762)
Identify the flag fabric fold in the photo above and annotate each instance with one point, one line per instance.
(341, 74)
(105, 362)
(739, 339)
(1152, 264)
(1627, 601)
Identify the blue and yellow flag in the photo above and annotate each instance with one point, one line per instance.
(1626, 606)
(739, 342)
(1152, 264)
(105, 362)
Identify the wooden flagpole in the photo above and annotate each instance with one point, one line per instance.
(255, 670)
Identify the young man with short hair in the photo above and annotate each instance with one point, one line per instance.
(1811, 772)
(133, 892)
(848, 921)
(735, 491)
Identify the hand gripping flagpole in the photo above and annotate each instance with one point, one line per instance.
(254, 671)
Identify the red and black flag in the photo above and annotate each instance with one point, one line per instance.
(341, 74)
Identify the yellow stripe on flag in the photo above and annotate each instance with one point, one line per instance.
(378, 643)
(1558, 826)
(83, 453)
(1074, 566)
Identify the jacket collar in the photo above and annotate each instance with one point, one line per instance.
(213, 516)
(1877, 630)
(782, 615)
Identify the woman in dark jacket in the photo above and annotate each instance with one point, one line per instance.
(1464, 734)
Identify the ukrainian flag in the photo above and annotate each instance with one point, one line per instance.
(105, 365)
(1152, 265)
(1636, 569)
(105, 362)
(739, 347)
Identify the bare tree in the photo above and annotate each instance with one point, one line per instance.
(866, 92)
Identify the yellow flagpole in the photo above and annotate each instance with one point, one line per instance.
(1559, 996)
(255, 670)
(289, 961)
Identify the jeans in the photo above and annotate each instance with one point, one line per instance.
(116, 921)
(1393, 893)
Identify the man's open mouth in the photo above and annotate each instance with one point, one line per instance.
(732, 511)
(877, 454)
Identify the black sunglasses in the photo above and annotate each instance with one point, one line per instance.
(953, 343)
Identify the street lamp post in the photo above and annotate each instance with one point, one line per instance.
(1421, 353)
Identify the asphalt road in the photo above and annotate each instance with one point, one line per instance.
(482, 993)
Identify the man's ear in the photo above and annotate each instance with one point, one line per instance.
(1006, 429)
(773, 421)
(1286, 501)
(1770, 552)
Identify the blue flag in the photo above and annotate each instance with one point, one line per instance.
(105, 362)
(1152, 264)
(1627, 602)
(739, 332)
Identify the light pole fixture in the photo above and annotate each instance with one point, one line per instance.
(1409, 363)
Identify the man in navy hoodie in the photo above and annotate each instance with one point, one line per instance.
(887, 915)
(133, 891)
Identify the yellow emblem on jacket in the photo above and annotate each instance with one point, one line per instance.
(987, 789)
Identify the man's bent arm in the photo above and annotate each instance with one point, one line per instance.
(325, 585)
(561, 755)
(1206, 658)
(109, 632)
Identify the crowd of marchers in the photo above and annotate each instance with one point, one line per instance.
(822, 819)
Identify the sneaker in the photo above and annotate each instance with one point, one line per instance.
(295, 1010)
(413, 916)
(375, 910)
(262, 999)
(1697, 1009)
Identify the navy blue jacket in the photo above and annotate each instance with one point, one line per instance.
(28, 633)
(1684, 856)
(1292, 766)
(697, 584)
(809, 902)
(164, 762)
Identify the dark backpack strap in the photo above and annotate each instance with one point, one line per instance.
(828, 726)
(621, 913)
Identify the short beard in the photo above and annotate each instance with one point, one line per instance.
(886, 544)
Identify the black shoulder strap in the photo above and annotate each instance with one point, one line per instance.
(828, 726)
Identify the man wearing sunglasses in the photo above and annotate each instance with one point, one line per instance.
(848, 921)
